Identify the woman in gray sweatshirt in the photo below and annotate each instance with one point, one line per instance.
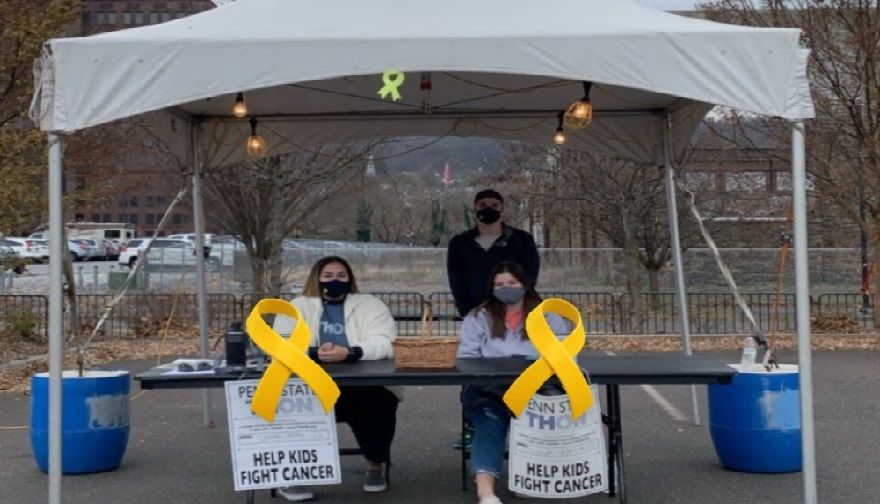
(496, 328)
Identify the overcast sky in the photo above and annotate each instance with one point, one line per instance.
(670, 4)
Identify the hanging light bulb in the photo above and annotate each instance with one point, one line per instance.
(580, 114)
(255, 144)
(559, 137)
(240, 108)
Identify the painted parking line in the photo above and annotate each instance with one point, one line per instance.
(664, 404)
(661, 401)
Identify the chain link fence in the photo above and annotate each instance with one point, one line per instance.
(397, 268)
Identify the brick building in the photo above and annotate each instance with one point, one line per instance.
(138, 186)
(748, 185)
(103, 16)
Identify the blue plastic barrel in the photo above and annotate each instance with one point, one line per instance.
(755, 421)
(94, 420)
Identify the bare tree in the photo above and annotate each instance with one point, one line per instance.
(264, 201)
(624, 202)
(844, 69)
(24, 26)
(401, 213)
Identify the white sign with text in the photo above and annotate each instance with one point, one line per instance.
(554, 456)
(299, 448)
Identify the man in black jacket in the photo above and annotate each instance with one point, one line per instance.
(473, 253)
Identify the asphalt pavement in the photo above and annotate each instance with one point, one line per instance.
(173, 458)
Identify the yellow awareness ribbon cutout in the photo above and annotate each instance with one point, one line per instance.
(392, 80)
(556, 357)
(289, 356)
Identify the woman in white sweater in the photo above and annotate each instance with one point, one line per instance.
(347, 326)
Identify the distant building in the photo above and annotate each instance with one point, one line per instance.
(139, 189)
(103, 16)
(747, 186)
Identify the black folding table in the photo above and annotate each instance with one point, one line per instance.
(609, 370)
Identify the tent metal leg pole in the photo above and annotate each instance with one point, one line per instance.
(201, 282)
(675, 244)
(802, 289)
(56, 312)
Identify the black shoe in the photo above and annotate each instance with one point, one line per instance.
(468, 438)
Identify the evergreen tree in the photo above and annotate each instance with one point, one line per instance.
(362, 221)
(438, 223)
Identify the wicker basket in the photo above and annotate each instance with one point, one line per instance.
(425, 351)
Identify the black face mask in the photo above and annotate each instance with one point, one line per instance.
(334, 288)
(488, 215)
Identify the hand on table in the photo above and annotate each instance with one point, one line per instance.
(328, 352)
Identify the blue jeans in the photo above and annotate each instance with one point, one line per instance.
(490, 419)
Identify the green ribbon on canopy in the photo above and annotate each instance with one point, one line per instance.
(392, 80)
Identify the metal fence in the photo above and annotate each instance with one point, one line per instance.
(854, 309)
(606, 313)
(406, 308)
(720, 314)
(600, 311)
(24, 316)
(711, 313)
(139, 315)
(446, 318)
(401, 268)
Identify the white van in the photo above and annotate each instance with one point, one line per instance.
(191, 237)
(117, 232)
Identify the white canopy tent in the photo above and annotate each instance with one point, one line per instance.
(310, 71)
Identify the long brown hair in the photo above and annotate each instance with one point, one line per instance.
(312, 288)
(497, 309)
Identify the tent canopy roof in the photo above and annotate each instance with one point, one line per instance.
(311, 69)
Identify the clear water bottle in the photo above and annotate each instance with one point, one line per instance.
(750, 352)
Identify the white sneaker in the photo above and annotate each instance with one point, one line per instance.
(490, 500)
(374, 481)
(295, 494)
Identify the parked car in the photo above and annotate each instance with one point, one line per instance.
(28, 249)
(191, 237)
(118, 232)
(226, 241)
(128, 256)
(173, 253)
(226, 247)
(78, 251)
(10, 260)
(112, 248)
(95, 250)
